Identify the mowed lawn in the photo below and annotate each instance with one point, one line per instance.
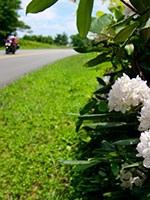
(36, 129)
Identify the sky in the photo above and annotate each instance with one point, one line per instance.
(58, 19)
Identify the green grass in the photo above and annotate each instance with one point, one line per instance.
(36, 129)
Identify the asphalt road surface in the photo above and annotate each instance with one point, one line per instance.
(24, 61)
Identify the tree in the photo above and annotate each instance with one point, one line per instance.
(77, 41)
(9, 21)
(61, 39)
(39, 38)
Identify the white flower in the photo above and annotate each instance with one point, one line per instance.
(145, 116)
(127, 92)
(106, 79)
(144, 148)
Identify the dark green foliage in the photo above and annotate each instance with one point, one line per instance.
(77, 41)
(9, 21)
(109, 139)
(39, 38)
(61, 39)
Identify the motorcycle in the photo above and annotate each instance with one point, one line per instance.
(10, 47)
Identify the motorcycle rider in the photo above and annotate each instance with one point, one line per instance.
(13, 39)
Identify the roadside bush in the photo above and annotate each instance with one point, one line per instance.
(115, 124)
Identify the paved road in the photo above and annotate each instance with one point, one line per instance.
(24, 61)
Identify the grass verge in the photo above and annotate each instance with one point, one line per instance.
(36, 129)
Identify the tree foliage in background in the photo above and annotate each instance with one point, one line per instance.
(114, 126)
(39, 38)
(61, 39)
(77, 41)
(9, 18)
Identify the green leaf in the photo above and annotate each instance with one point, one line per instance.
(78, 124)
(36, 6)
(107, 125)
(75, 162)
(98, 24)
(81, 164)
(130, 166)
(117, 11)
(141, 6)
(84, 136)
(99, 13)
(101, 81)
(122, 22)
(88, 106)
(103, 90)
(84, 12)
(125, 33)
(145, 29)
(85, 166)
(145, 33)
(115, 168)
(107, 146)
(91, 49)
(103, 106)
(97, 116)
(127, 142)
(98, 60)
(147, 24)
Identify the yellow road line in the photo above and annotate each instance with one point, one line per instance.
(22, 55)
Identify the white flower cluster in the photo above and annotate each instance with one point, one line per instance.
(145, 116)
(127, 93)
(132, 177)
(144, 148)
